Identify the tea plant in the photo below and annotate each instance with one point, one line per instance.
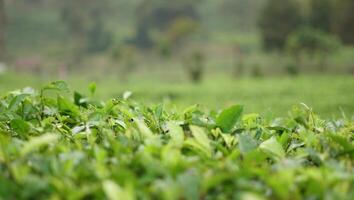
(56, 147)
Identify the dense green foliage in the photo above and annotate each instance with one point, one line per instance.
(2, 27)
(58, 37)
(278, 19)
(164, 16)
(87, 24)
(56, 147)
(312, 41)
(343, 20)
(320, 16)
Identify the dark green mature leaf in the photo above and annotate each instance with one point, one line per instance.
(28, 109)
(15, 102)
(80, 100)
(67, 107)
(228, 118)
(20, 126)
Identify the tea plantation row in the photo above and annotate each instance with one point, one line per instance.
(54, 146)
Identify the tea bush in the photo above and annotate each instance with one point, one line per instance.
(56, 147)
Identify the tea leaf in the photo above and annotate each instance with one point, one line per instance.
(20, 126)
(36, 142)
(228, 118)
(273, 148)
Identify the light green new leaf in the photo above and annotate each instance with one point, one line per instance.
(251, 196)
(127, 94)
(273, 148)
(37, 142)
(229, 139)
(194, 144)
(92, 88)
(111, 189)
(201, 137)
(57, 85)
(115, 192)
(228, 118)
(176, 133)
(144, 130)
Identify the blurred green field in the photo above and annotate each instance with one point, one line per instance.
(328, 95)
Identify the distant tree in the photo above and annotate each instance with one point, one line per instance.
(256, 71)
(321, 14)
(195, 65)
(125, 56)
(278, 19)
(241, 13)
(157, 15)
(84, 20)
(2, 30)
(239, 60)
(176, 35)
(74, 17)
(343, 20)
(312, 43)
(98, 38)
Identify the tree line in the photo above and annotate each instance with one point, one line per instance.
(177, 20)
(280, 18)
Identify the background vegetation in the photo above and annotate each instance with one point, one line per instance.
(285, 51)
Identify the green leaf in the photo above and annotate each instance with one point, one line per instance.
(251, 196)
(114, 192)
(80, 100)
(127, 94)
(67, 107)
(201, 138)
(246, 143)
(15, 102)
(57, 85)
(28, 108)
(20, 126)
(92, 88)
(191, 109)
(36, 142)
(144, 130)
(176, 133)
(229, 139)
(190, 185)
(228, 118)
(111, 189)
(273, 148)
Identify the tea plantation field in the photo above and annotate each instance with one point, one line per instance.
(330, 96)
(56, 143)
